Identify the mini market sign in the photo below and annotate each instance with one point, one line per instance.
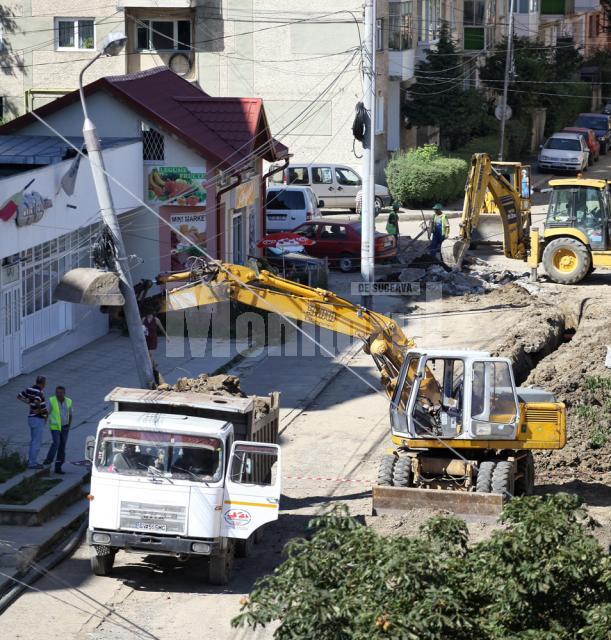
(182, 186)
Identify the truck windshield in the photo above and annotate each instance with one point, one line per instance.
(142, 453)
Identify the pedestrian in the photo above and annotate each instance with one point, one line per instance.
(60, 421)
(441, 229)
(392, 224)
(34, 396)
(152, 324)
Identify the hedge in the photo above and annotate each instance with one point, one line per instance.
(420, 177)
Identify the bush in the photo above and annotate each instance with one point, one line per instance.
(420, 177)
(542, 577)
(518, 134)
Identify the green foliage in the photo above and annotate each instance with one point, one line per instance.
(11, 462)
(541, 577)
(595, 410)
(440, 99)
(422, 176)
(557, 71)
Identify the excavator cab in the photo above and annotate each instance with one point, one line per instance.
(454, 396)
(577, 234)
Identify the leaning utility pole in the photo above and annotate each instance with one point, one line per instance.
(508, 61)
(368, 170)
(144, 366)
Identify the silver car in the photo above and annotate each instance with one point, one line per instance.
(564, 152)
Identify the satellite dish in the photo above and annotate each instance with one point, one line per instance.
(498, 112)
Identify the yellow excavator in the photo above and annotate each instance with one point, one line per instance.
(459, 425)
(576, 237)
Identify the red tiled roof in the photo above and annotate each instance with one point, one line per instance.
(226, 129)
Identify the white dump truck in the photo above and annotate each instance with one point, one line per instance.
(183, 474)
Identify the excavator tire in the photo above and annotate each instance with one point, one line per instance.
(483, 483)
(402, 474)
(566, 260)
(386, 470)
(525, 485)
(503, 478)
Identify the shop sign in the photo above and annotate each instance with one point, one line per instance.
(246, 194)
(26, 208)
(182, 186)
(191, 226)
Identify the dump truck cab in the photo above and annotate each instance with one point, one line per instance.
(577, 232)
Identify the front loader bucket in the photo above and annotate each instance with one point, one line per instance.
(90, 286)
(398, 500)
(453, 251)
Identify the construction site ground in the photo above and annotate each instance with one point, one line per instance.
(334, 430)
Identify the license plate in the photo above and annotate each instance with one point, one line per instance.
(150, 526)
(271, 216)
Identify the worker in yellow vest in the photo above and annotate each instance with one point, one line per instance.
(60, 420)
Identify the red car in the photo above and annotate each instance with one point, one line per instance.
(591, 141)
(340, 241)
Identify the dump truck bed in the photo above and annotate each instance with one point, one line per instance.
(254, 418)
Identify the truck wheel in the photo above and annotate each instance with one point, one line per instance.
(219, 568)
(385, 470)
(483, 484)
(402, 473)
(243, 548)
(503, 478)
(566, 260)
(525, 486)
(259, 535)
(102, 565)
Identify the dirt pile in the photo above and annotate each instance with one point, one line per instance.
(577, 375)
(220, 385)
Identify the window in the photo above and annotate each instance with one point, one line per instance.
(333, 232)
(163, 35)
(298, 175)
(379, 128)
(285, 200)
(322, 175)
(153, 145)
(492, 396)
(564, 144)
(307, 231)
(347, 177)
(75, 33)
(380, 34)
(474, 12)
(399, 26)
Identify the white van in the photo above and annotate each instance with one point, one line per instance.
(336, 184)
(288, 207)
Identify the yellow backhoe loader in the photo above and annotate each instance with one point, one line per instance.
(459, 425)
(577, 233)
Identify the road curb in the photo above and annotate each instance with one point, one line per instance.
(338, 366)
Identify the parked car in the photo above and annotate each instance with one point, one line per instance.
(600, 123)
(564, 152)
(339, 240)
(287, 207)
(607, 108)
(336, 184)
(591, 141)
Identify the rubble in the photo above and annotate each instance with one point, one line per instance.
(219, 385)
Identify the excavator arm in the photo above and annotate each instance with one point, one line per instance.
(483, 178)
(212, 282)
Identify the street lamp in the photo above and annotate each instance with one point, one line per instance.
(112, 45)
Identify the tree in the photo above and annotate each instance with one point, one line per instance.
(439, 98)
(541, 577)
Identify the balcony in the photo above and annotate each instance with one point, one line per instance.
(155, 4)
(401, 64)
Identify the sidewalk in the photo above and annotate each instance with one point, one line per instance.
(88, 375)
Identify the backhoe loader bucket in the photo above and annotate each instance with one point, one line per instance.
(90, 286)
(453, 251)
(398, 500)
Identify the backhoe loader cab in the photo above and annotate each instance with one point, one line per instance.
(577, 231)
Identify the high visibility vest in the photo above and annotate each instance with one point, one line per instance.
(55, 414)
(443, 220)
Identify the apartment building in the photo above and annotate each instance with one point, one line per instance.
(305, 63)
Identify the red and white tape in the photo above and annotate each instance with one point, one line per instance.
(322, 479)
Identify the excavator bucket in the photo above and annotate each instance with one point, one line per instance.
(398, 500)
(453, 251)
(90, 286)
